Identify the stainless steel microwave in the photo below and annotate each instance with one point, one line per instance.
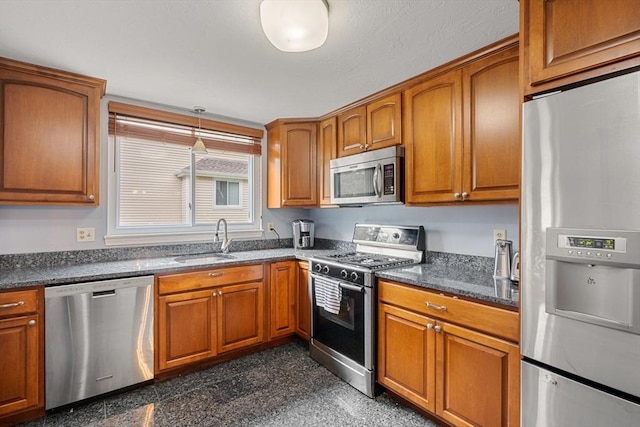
(370, 177)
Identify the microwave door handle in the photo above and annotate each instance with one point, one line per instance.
(377, 173)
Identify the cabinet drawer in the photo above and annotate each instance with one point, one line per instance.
(18, 302)
(485, 318)
(208, 278)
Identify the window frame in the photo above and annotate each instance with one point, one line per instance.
(193, 232)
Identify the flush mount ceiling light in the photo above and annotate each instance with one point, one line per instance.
(199, 147)
(295, 25)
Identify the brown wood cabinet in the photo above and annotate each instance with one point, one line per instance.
(564, 42)
(282, 298)
(458, 359)
(352, 131)
(462, 131)
(205, 313)
(327, 152)
(303, 303)
(49, 136)
(292, 164)
(371, 126)
(21, 355)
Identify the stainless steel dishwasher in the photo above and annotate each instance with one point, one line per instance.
(99, 338)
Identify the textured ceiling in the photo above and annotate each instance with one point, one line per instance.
(213, 52)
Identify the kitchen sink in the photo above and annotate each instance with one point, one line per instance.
(203, 258)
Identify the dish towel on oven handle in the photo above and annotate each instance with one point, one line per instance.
(328, 294)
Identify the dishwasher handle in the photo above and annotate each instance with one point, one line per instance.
(100, 294)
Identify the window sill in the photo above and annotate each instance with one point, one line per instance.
(173, 238)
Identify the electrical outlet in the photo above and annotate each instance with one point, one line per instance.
(85, 234)
(499, 235)
(271, 226)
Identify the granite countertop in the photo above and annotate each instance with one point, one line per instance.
(451, 277)
(479, 285)
(77, 273)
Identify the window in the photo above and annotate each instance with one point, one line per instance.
(160, 191)
(227, 193)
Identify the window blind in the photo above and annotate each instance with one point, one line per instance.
(161, 126)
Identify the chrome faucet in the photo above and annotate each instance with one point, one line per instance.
(226, 242)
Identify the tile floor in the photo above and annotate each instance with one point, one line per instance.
(281, 386)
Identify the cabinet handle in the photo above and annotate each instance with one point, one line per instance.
(429, 325)
(31, 323)
(464, 196)
(362, 147)
(219, 292)
(456, 196)
(12, 304)
(91, 197)
(215, 294)
(437, 328)
(216, 274)
(435, 307)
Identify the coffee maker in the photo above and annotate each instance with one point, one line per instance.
(303, 234)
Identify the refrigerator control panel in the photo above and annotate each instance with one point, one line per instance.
(590, 245)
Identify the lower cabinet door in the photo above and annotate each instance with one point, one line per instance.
(282, 298)
(186, 328)
(19, 351)
(303, 306)
(478, 378)
(240, 315)
(406, 354)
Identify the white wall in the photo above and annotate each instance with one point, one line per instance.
(27, 229)
(457, 229)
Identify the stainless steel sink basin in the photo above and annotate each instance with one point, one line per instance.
(203, 258)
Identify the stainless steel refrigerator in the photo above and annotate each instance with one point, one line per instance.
(580, 256)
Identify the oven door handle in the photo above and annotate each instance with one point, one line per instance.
(351, 287)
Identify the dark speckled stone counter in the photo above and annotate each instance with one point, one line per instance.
(76, 273)
(462, 275)
(458, 280)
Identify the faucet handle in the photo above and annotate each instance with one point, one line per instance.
(225, 245)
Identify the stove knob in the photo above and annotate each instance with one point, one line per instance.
(318, 267)
(354, 276)
(344, 274)
(325, 270)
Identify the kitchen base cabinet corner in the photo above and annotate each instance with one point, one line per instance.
(446, 364)
(21, 355)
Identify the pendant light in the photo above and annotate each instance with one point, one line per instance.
(295, 25)
(199, 147)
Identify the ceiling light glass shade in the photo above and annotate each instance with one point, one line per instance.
(295, 25)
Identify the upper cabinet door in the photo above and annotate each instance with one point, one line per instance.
(565, 41)
(352, 131)
(491, 165)
(383, 122)
(300, 164)
(432, 114)
(327, 152)
(49, 136)
(292, 164)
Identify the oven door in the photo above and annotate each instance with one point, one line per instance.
(349, 331)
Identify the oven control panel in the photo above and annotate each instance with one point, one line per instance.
(341, 272)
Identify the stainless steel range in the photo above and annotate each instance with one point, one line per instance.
(343, 292)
